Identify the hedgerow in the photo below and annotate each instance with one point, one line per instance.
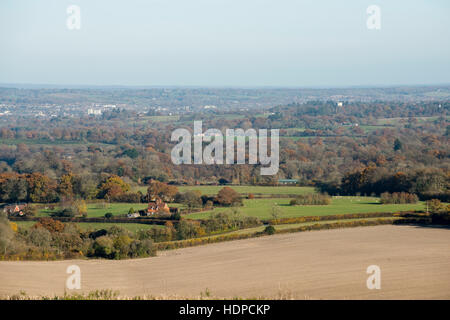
(339, 217)
(239, 236)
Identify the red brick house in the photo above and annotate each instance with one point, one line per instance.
(157, 206)
(15, 209)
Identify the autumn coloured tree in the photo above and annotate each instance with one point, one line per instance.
(50, 224)
(228, 197)
(190, 198)
(41, 188)
(161, 190)
(80, 207)
(65, 186)
(113, 186)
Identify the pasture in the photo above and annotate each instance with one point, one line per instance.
(99, 209)
(244, 190)
(262, 208)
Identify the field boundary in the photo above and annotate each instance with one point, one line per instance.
(98, 220)
(169, 245)
(341, 217)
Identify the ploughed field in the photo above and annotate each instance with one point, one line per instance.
(331, 264)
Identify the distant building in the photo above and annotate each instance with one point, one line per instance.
(287, 181)
(95, 112)
(15, 209)
(133, 215)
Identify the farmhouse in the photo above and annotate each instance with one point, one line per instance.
(157, 206)
(15, 209)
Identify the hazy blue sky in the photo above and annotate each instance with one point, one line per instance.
(225, 42)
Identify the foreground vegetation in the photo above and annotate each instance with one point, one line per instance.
(93, 226)
(115, 295)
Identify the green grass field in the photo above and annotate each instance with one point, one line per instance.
(262, 208)
(369, 128)
(160, 118)
(396, 121)
(99, 210)
(47, 142)
(212, 190)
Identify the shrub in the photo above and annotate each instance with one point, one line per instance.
(30, 210)
(49, 224)
(108, 215)
(14, 226)
(311, 199)
(231, 220)
(398, 198)
(435, 206)
(68, 212)
(141, 249)
(156, 234)
(40, 237)
(122, 246)
(130, 197)
(176, 216)
(276, 212)
(187, 229)
(98, 233)
(103, 247)
(80, 207)
(118, 231)
(269, 230)
(209, 204)
(192, 199)
(442, 217)
(6, 233)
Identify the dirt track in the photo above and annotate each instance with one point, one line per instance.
(414, 262)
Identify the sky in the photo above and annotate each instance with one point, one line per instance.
(281, 43)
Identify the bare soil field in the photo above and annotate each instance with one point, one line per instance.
(414, 262)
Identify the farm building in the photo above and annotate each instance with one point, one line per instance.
(287, 181)
(15, 209)
(133, 215)
(157, 206)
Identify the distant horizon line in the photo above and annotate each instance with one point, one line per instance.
(100, 86)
